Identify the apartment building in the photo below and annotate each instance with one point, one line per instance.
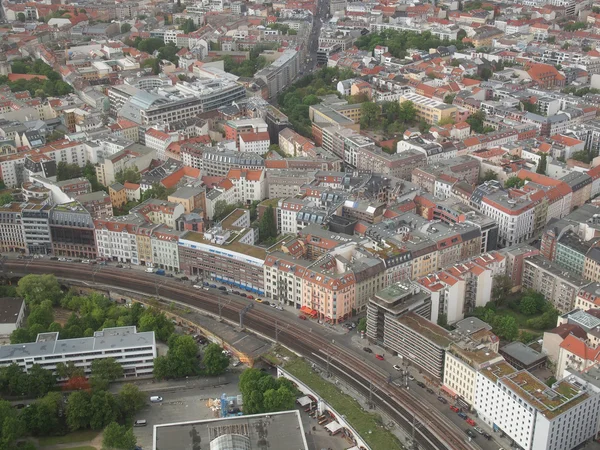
(116, 238)
(191, 198)
(250, 185)
(134, 351)
(159, 211)
(532, 414)
(97, 203)
(165, 248)
(222, 255)
(72, 231)
(135, 156)
(283, 183)
(559, 286)
(430, 110)
(281, 72)
(399, 165)
(514, 212)
(36, 228)
(11, 228)
(254, 142)
(283, 278)
(463, 360)
(418, 341)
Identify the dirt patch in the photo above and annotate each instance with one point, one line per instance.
(61, 315)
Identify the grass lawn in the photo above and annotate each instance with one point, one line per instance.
(78, 436)
(367, 424)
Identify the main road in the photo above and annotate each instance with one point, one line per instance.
(432, 430)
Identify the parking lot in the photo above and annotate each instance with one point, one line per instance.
(178, 406)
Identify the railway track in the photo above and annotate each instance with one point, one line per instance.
(433, 431)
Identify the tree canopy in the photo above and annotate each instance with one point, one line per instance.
(514, 182)
(267, 226)
(262, 393)
(52, 86)
(181, 359)
(37, 288)
(214, 360)
(67, 171)
(130, 174)
(398, 42)
(119, 437)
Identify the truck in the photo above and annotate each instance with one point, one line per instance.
(160, 272)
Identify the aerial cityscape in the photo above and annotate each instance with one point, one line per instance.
(299, 225)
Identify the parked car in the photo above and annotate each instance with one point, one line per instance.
(471, 422)
(462, 415)
(119, 266)
(53, 258)
(160, 272)
(156, 399)
(411, 378)
(301, 317)
(235, 292)
(479, 430)
(470, 434)
(397, 367)
(259, 300)
(265, 302)
(380, 357)
(149, 270)
(251, 297)
(442, 399)
(454, 408)
(184, 278)
(431, 391)
(222, 288)
(214, 286)
(367, 349)
(420, 384)
(487, 436)
(140, 423)
(62, 259)
(243, 295)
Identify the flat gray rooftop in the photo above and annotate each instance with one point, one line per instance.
(275, 431)
(48, 344)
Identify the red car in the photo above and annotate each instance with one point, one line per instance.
(471, 422)
(302, 317)
(251, 297)
(454, 408)
(379, 357)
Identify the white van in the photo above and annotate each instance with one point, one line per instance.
(155, 399)
(150, 270)
(140, 423)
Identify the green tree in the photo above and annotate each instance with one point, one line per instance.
(188, 26)
(362, 324)
(56, 135)
(130, 400)
(250, 387)
(105, 371)
(154, 320)
(119, 437)
(181, 360)
(506, 327)
(21, 17)
(215, 361)
(476, 120)
(369, 114)
(501, 287)
(541, 168)
(69, 370)
(42, 416)
(528, 306)
(267, 226)
(408, 112)
(157, 191)
(150, 45)
(79, 412)
(514, 182)
(37, 288)
(11, 426)
(130, 174)
(65, 171)
(281, 399)
(20, 336)
(449, 98)
(222, 209)
(104, 409)
(39, 381)
(6, 199)
(489, 175)
(42, 314)
(125, 28)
